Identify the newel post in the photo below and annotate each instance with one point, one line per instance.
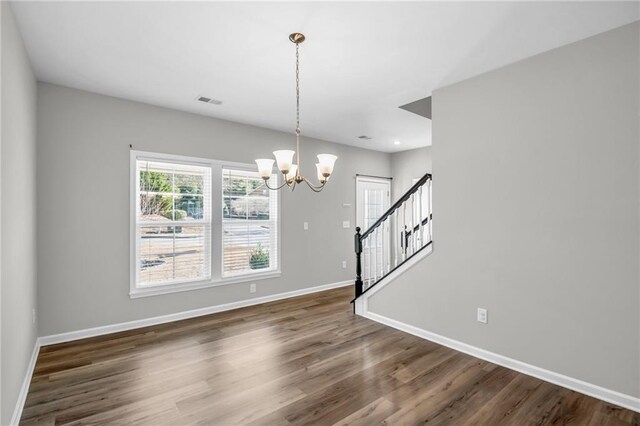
(357, 240)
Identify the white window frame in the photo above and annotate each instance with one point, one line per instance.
(216, 234)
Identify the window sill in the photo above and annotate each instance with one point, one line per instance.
(197, 285)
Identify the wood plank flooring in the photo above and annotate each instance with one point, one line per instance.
(306, 360)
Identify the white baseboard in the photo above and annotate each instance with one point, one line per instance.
(130, 325)
(608, 395)
(24, 390)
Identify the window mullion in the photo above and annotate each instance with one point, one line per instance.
(217, 231)
(173, 217)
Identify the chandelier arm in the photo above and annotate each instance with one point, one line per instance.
(315, 188)
(266, 183)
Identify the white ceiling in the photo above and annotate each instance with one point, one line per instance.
(360, 62)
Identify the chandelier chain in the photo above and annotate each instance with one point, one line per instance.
(298, 171)
(297, 88)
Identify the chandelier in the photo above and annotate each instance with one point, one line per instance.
(292, 173)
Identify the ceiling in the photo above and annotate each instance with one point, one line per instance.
(361, 61)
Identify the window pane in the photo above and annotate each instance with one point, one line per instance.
(258, 200)
(152, 180)
(188, 183)
(156, 207)
(238, 207)
(237, 185)
(258, 208)
(171, 253)
(247, 247)
(226, 207)
(172, 191)
(189, 207)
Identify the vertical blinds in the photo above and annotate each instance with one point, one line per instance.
(173, 222)
(249, 224)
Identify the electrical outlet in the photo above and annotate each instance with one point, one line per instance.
(344, 264)
(483, 315)
(346, 224)
(305, 226)
(33, 315)
(252, 288)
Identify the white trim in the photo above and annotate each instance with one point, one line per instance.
(24, 390)
(184, 159)
(608, 395)
(195, 285)
(130, 325)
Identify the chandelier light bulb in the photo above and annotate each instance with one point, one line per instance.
(326, 161)
(321, 178)
(265, 167)
(284, 158)
(292, 173)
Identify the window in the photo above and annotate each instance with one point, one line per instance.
(249, 224)
(173, 222)
(198, 223)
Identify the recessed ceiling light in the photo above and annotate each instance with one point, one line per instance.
(208, 100)
(396, 142)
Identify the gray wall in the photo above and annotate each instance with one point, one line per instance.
(83, 196)
(18, 242)
(406, 166)
(536, 195)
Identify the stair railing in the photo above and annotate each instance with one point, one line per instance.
(401, 232)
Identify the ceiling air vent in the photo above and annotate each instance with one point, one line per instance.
(208, 100)
(365, 137)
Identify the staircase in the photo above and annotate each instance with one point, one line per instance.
(398, 235)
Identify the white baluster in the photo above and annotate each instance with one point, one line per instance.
(413, 223)
(374, 264)
(369, 261)
(379, 249)
(404, 230)
(429, 209)
(377, 253)
(385, 248)
(396, 237)
(420, 219)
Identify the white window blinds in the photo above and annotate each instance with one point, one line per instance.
(249, 224)
(172, 222)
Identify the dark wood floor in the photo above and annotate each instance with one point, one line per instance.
(306, 360)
